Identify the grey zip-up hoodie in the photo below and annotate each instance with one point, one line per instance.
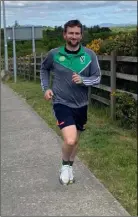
(63, 65)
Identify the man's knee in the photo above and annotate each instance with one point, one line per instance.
(71, 141)
(70, 135)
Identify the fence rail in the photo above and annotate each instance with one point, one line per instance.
(121, 75)
(29, 67)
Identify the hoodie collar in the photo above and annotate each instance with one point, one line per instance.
(63, 52)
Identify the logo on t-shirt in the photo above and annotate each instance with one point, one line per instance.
(82, 59)
(61, 58)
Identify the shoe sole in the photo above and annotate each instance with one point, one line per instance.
(72, 181)
(62, 183)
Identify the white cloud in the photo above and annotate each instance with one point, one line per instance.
(120, 10)
(129, 3)
(15, 3)
(58, 4)
(92, 2)
(55, 12)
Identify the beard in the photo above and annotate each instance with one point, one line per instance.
(73, 44)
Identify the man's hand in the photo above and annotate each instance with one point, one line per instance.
(48, 94)
(77, 78)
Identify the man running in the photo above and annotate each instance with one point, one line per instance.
(74, 69)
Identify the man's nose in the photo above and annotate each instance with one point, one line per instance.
(74, 35)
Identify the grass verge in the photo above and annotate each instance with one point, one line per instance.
(109, 151)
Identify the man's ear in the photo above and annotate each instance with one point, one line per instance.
(64, 35)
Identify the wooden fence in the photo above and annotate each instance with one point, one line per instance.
(29, 67)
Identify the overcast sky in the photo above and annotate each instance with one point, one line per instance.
(56, 13)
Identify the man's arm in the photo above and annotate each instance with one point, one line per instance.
(45, 69)
(95, 73)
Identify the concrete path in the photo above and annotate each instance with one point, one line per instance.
(30, 162)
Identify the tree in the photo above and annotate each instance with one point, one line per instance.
(105, 29)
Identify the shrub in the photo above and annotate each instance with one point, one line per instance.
(95, 45)
(124, 43)
(102, 35)
(126, 110)
(108, 46)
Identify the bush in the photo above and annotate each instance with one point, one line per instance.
(95, 45)
(126, 110)
(102, 35)
(108, 46)
(125, 44)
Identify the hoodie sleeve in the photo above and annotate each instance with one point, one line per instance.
(46, 67)
(94, 73)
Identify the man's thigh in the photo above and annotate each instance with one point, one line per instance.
(66, 123)
(70, 134)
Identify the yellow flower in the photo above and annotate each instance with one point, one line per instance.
(95, 45)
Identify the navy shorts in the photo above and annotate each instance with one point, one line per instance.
(67, 116)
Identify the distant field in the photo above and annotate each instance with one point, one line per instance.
(123, 28)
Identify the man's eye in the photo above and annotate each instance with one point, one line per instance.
(72, 33)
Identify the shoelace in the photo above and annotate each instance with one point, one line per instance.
(64, 168)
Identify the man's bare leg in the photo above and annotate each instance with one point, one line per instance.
(70, 141)
(75, 148)
(72, 158)
(69, 134)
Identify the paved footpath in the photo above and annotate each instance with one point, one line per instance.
(30, 162)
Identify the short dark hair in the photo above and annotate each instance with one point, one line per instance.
(73, 23)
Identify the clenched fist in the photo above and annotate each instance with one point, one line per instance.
(48, 94)
(77, 78)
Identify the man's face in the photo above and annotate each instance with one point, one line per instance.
(73, 36)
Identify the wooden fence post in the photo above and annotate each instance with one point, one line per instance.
(41, 57)
(113, 86)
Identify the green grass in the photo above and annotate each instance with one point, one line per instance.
(108, 151)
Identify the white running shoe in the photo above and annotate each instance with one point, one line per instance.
(71, 175)
(64, 175)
